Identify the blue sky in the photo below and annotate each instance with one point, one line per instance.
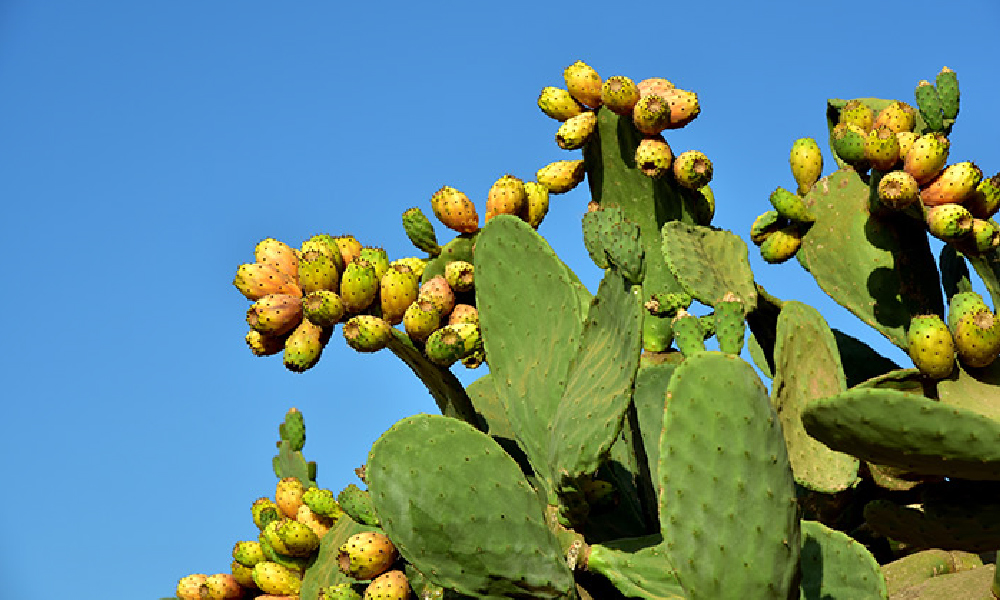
(147, 146)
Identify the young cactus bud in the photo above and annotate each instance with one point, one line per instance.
(262, 344)
(323, 308)
(276, 579)
(421, 319)
(898, 190)
(256, 281)
(293, 429)
(688, 333)
(619, 94)
(929, 104)
(926, 157)
(452, 343)
(730, 328)
(583, 83)
(857, 113)
(651, 114)
(276, 314)
(765, 224)
(399, 288)
(949, 222)
(455, 210)
(956, 183)
(897, 116)
(437, 291)
(279, 255)
(322, 502)
(537, 204)
(460, 275)
(790, 206)
(420, 231)
(848, 143)
(575, 132)
(304, 347)
(366, 333)
(781, 245)
(882, 148)
(653, 156)
(947, 88)
(506, 197)
(984, 202)
(358, 286)
(350, 248)
(325, 244)
(806, 161)
(356, 503)
(391, 585)
(366, 555)
(692, 169)
(558, 103)
(288, 496)
(931, 346)
(317, 272)
(561, 176)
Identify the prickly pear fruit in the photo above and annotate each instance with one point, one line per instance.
(765, 224)
(558, 103)
(222, 586)
(325, 244)
(262, 344)
(947, 88)
(651, 114)
(464, 313)
(350, 248)
(317, 272)
(961, 304)
(848, 142)
(258, 508)
(420, 231)
(561, 176)
(256, 281)
(949, 222)
(391, 585)
(322, 502)
(905, 139)
(575, 132)
(929, 104)
(243, 576)
(688, 333)
(437, 291)
(318, 524)
(583, 83)
(956, 183)
(452, 343)
(398, 289)
(357, 504)
(288, 496)
(189, 587)
(276, 314)
(926, 157)
(897, 116)
(882, 148)
(702, 203)
(668, 304)
(619, 94)
(790, 206)
(366, 555)
(730, 328)
(359, 286)
(898, 189)
(857, 113)
(421, 319)
(806, 160)
(415, 264)
(366, 333)
(537, 204)
(460, 275)
(931, 346)
(654, 85)
(298, 537)
(653, 156)
(506, 197)
(455, 210)
(781, 245)
(985, 237)
(279, 255)
(684, 107)
(341, 591)
(377, 258)
(692, 169)
(977, 338)
(323, 308)
(304, 346)
(273, 578)
(985, 200)
(248, 553)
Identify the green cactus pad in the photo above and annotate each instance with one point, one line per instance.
(898, 429)
(599, 384)
(637, 567)
(987, 266)
(808, 368)
(709, 262)
(650, 399)
(529, 314)
(727, 499)
(835, 565)
(357, 504)
(289, 461)
(325, 571)
(954, 272)
(459, 509)
(880, 269)
(973, 389)
(914, 569)
(973, 525)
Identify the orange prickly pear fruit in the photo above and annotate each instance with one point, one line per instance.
(288, 496)
(806, 161)
(223, 586)
(536, 205)
(350, 248)
(684, 107)
(858, 113)
(558, 103)
(439, 293)
(953, 185)
(561, 176)
(926, 157)
(279, 255)
(619, 94)
(931, 346)
(506, 197)
(653, 156)
(367, 555)
(583, 83)
(464, 313)
(455, 210)
(276, 314)
(654, 85)
(399, 287)
(391, 585)
(258, 280)
(897, 117)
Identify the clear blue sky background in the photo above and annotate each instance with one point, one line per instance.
(145, 147)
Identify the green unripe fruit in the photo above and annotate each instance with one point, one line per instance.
(421, 319)
(929, 104)
(276, 314)
(378, 258)
(984, 202)
(765, 224)
(366, 333)
(358, 286)
(420, 231)
(322, 502)
(985, 236)
(323, 308)
(857, 113)
(558, 103)
(506, 197)
(930, 346)
(583, 83)
(298, 538)
(575, 132)
(536, 205)
(848, 141)
(692, 169)
(358, 505)
(619, 94)
(304, 346)
(259, 505)
(653, 156)
(657, 333)
(947, 88)
(452, 343)
(806, 161)
(341, 591)
(398, 289)
(790, 206)
(366, 555)
(460, 275)
(561, 176)
(317, 272)
(702, 204)
(273, 578)
(898, 190)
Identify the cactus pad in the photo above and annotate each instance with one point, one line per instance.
(709, 262)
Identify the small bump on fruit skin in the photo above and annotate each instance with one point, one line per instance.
(931, 346)
(619, 94)
(583, 83)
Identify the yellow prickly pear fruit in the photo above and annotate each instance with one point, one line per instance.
(317, 523)
(766, 224)
(806, 161)
(391, 585)
(243, 576)
(317, 272)
(583, 83)
(276, 314)
(398, 289)
(897, 117)
(279, 255)
(366, 555)
(984, 202)
(304, 346)
(781, 245)
(222, 586)
(882, 148)
(905, 139)
(692, 169)
(558, 103)
(898, 189)
(273, 578)
(190, 586)
(325, 244)
(288, 496)
(256, 281)
(848, 142)
(654, 85)
(421, 319)
(297, 537)
(858, 113)
(378, 258)
(324, 308)
(927, 156)
(977, 338)
(506, 197)
(358, 286)
(653, 156)
(460, 275)
(262, 344)
(931, 346)
(575, 132)
(561, 176)
(248, 553)
(651, 114)
(414, 263)
(536, 205)
(455, 210)
(619, 94)
(366, 333)
(349, 246)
